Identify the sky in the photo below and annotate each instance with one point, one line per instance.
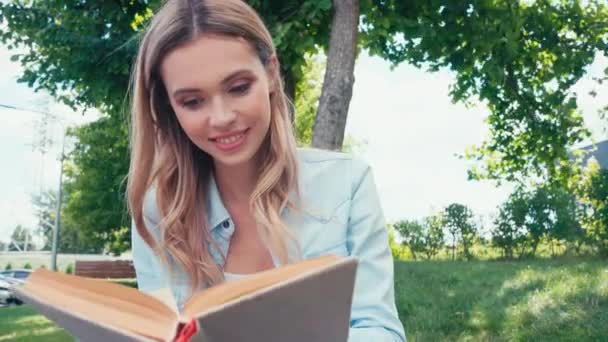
(26, 171)
(414, 133)
(409, 130)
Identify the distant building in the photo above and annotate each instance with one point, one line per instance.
(599, 151)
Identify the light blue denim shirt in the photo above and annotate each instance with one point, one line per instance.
(340, 214)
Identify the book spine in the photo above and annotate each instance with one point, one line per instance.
(185, 331)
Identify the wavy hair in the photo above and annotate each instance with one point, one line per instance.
(163, 158)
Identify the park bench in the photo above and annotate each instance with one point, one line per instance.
(107, 269)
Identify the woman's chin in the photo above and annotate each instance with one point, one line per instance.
(240, 159)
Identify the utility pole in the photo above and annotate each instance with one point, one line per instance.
(42, 146)
(27, 239)
(58, 214)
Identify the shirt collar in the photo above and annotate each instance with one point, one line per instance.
(216, 212)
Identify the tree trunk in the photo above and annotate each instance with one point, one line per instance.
(330, 122)
(522, 251)
(534, 247)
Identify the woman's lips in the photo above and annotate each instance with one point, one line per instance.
(230, 142)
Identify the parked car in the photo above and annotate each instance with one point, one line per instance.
(12, 281)
(7, 295)
(9, 279)
(20, 273)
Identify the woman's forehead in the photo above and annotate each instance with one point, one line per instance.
(207, 60)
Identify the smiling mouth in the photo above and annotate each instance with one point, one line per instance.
(229, 139)
(230, 142)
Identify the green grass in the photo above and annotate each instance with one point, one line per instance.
(24, 324)
(533, 300)
(546, 300)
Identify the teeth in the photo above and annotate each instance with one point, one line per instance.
(229, 140)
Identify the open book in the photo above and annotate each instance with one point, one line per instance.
(305, 301)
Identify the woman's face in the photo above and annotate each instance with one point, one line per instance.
(220, 92)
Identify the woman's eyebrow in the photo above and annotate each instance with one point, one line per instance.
(185, 90)
(226, 80)
(235, 74)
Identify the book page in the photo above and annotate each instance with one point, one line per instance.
(80, 327)
(166, 297)
(110, 304)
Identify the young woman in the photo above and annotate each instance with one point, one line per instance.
(217, 189)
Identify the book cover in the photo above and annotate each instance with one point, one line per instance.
(306, 301)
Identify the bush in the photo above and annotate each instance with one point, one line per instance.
(399, 252)
(594, 198)
(458, 219)
(69, 269)
(8, 267)
(423, 238)
(27, 266)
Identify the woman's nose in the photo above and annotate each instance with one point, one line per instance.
(221, 116)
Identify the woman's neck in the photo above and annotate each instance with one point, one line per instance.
(236, 183)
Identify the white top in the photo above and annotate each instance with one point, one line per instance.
(238, 276)
(235, 276)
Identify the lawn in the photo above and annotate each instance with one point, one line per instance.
(23, 324)
(535, 300)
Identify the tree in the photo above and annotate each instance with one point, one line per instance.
(551, 213)
(96, 184)
(21, 239)
(519, 57)
(593, 194)
(603, 112)
(330, 122)
(396, 249)
(509, 233)
(71, 239)
(504, 53)
(564, 218)
(308, 91)
(529, 215)
(422, 237)
(63, 41)
(433, 235)
(298, 29)
(413, 237)
(45, 206)
(458, 220)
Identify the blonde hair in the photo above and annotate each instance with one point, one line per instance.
(163, 157)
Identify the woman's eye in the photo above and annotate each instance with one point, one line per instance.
(240, 89)
(192, 103)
